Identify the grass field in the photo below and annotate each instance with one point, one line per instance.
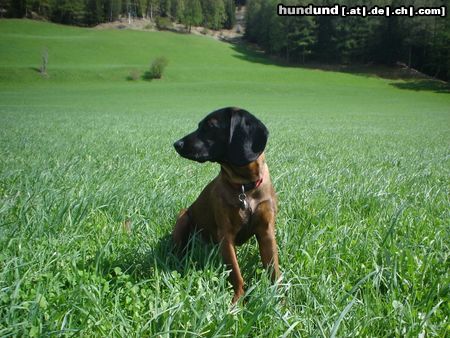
(90, 186)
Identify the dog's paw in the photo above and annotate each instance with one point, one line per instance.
(237, 295)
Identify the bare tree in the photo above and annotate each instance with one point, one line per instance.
(44, 61)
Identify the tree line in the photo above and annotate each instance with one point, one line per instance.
(420, 42)
(214, 14)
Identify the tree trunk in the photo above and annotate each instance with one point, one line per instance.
(409, 56)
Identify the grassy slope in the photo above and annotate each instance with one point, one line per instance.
(361, 169)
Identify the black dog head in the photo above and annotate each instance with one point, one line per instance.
(228, 135)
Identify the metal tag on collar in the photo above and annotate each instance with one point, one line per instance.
(243, 199)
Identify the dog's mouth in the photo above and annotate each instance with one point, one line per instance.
(194, 156)
(195, 151)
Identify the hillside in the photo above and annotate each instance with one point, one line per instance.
(87, 58)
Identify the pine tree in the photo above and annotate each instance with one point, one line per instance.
(213, 13)
(93, 12)
(193, 15)
(151, 7)
(180, 10)
(112, 9)
(230, 14)
(70, 12)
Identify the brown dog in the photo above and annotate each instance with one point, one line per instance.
(240, 202)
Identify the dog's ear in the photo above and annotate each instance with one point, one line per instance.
(248, 138)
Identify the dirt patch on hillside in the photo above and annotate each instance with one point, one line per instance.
(146, 24)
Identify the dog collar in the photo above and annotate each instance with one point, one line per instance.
(252, 185)
(243, 187)
(247, 186)
(244, 205)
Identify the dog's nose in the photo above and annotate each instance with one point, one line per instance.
(179, 144)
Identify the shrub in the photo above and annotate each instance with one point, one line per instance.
(149, 26)
(133, 75)
(163, 23)
(156, 68)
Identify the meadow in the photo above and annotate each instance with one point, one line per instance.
(90, 187)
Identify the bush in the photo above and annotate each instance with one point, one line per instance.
(133, 75)
(150, 26)
(163, 23)
(156, 69)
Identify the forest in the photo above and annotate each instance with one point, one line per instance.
(419, 42)
(214, 14)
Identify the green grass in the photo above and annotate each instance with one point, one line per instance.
(361, 168)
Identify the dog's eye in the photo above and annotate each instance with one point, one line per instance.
(207, 126)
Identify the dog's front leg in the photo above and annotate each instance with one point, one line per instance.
(181, 230)
(264, 225)
(229, 257)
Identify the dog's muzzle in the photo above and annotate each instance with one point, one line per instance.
(179, 145)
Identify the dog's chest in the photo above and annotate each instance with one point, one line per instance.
(247, 208)
(244, 216)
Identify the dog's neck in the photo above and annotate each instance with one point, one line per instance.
(250, 176)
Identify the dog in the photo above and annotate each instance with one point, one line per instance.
(240, 202)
